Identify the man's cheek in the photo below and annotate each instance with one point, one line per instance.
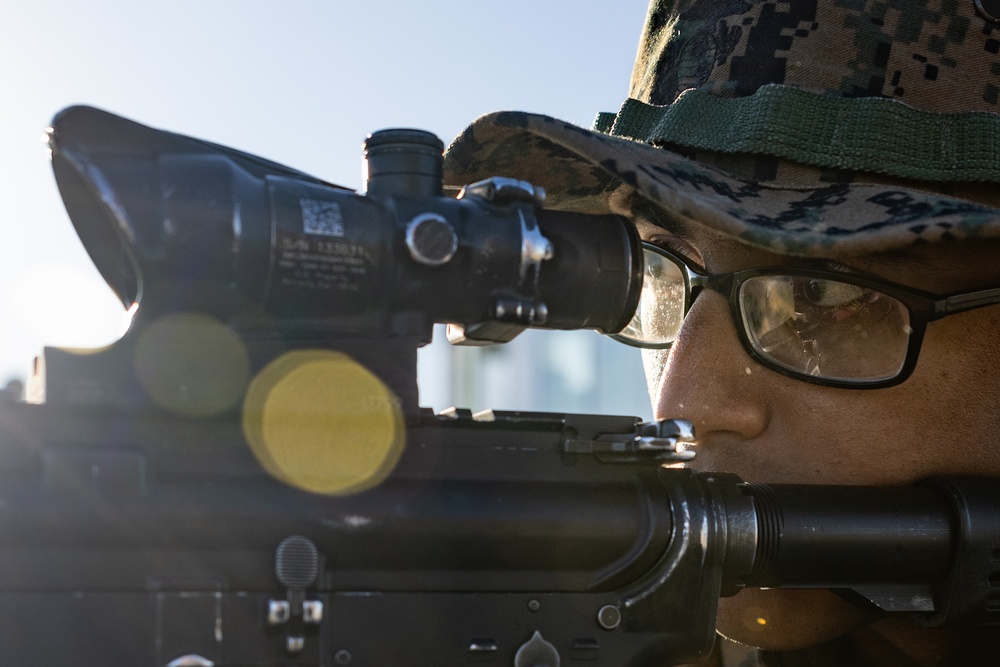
(654, 364)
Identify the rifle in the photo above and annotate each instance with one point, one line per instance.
(247, 478)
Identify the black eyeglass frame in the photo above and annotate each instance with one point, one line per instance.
(923, 307)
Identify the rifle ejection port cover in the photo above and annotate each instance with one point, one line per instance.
(320, 421)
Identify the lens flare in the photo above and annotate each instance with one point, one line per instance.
(192, 364)
(320, 421)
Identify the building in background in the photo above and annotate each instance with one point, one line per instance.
(547, 371)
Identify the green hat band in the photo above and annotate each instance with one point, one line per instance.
(870, 134)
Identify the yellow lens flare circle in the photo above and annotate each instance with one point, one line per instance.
(322, 422)
(192, 364)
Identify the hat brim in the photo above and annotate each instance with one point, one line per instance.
(581, 168)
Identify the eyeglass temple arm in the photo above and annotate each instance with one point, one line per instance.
(962, 302)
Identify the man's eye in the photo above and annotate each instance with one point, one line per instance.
(830, 294)
(654, 270)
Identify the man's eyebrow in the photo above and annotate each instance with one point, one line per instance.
(904, 260)
(667, 231)
(652, 222)
(872, 266)
(897, 259)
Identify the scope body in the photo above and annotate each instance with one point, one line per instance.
(178, 223)
(287, 261)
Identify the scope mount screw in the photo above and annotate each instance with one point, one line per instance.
(609, 617)
(343, 657)
(534, 605)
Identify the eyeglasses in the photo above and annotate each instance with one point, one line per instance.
(819, 326)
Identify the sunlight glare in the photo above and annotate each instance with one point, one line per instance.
(66, 306)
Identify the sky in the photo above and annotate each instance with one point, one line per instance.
(301, 82)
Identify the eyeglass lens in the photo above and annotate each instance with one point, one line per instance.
(807, 325)
(662, 303)
(825, 328)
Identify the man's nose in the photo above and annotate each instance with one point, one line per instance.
(708, 377)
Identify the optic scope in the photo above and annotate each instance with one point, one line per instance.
(179, 225)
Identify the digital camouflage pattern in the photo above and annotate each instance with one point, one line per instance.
(937, 57)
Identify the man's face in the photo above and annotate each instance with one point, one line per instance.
(767, 427)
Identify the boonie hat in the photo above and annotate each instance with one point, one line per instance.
(804, 127)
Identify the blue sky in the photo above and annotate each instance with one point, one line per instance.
(300, 82)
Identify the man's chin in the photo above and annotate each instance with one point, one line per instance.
(785, 620)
